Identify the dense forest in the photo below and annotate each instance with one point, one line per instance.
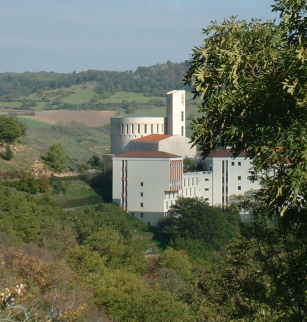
(88, 264)
(153, 81)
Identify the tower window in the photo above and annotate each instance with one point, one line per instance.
(182, 116)
(182, 131)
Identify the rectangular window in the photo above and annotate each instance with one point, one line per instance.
(141, 204)
(157, 128)
(182, 116)
(139, 128)
(232, 163)
(142, 215)
(239, 177)
(239, 187)
(182, 131)
(206, 199)
(239, 163)
(142, 184)
(206, 179)
(132, 129)
(151, 128)
(145, 128)
(206, 189)
(141, 194)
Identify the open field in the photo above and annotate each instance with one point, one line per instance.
(33, 123)
(89, 118)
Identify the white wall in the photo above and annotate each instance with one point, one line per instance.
(125, 129)
(176, 144)
(147, 181)
(175, 111)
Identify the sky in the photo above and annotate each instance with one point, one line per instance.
(78, 35)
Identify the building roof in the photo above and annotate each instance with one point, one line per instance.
(153, 137)
(225, 153)
(148, 154)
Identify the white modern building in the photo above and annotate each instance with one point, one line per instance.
(148, 166)
(126, 129)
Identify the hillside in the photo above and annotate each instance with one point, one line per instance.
(33, 88)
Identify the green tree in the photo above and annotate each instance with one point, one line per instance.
(251, 79)
(193, 219)
(8, 155)
(11, 129)
(27, 183)
(94, 161)
(43, 183)
(176, 260)
(56, 157)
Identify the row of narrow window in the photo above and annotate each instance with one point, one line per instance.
(119, 128)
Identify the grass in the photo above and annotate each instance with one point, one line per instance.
(83, 94)
(42, 138)
(129, 96)
(143, 234)
(10, 104)
(34, 124)
(78, 193)
(150, 110)
(23, 159)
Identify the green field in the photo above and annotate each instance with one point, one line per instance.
(34, 124)
(130, 97)
(10, 104)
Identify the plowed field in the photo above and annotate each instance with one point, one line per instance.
(89, 118)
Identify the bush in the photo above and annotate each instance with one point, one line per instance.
(27, 183)
(8, 155)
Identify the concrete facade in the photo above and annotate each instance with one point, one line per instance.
(147, 183)
(141, 180)
(175, 110)
(148, 173)
(125, 129)
(175, 144)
